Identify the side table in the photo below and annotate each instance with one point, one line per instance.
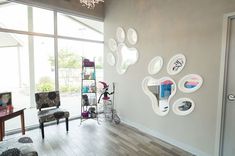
(6, 115)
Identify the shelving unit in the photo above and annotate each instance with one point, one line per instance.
(88, 91)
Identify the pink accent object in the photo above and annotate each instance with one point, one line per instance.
(88, 63)
(104, 84)
(85, 114)
(106, 98)
(167, 82)
(192, 83)
(10, 108)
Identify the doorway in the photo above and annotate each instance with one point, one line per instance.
(227, 88)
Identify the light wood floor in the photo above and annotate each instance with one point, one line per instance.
(91, 139)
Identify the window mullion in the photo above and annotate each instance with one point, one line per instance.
(31, 58)
(56, 51)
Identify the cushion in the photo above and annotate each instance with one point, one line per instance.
(25, 140)
(11, 152)
(52, 114)
(23, 144)
(59, 115)
(47, 99)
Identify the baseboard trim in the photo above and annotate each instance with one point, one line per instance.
(165, 138)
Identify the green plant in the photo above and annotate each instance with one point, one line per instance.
(45, 84)
(69, 89)
(66, 59)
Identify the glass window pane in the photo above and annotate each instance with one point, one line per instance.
(79, 27)
(70, 53)
(44, 64)
(43, 21)
(14, 16)
(15, 68)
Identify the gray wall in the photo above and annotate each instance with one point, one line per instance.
(165, 28)
(69, 6)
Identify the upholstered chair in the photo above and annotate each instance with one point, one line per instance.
(48, 104)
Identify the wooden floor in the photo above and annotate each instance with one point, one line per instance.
(91, 139)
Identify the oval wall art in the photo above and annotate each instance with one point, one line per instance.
(183, 106)
(112, 45)
(110, 59)
(120, 34)
(132, 36)
(190, 83)
(155, 65)
(176, 64)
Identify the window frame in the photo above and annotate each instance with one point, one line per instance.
(55, 36)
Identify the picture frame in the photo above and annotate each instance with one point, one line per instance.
(5, 100)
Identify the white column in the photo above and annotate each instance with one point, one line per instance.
(31, 58)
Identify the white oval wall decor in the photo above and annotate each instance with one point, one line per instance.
(190, 83)
(183, 106)
(111, 59)
(155, 65)
(112, 45)
(176, 64)
(132, 36)
(120, 34)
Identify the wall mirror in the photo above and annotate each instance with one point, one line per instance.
(155, 65)
(183, 106)
(190, 83)
(120, 34)
(160, 93)
(112, 45)
(125, 57)
(176, 64)
(110, 59)
(132, 36)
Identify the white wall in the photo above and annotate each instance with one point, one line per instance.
(165, 28)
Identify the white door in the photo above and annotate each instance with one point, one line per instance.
(229, 125)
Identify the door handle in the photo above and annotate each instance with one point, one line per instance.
(231, 97)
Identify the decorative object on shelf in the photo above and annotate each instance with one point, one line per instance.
(88, 63)
(85, 101)
(190, 83)
(176, 64)
(125, 57)
(111, 59)
(90, 3)
(120, 34)
(112, 45)
(132, 36)
(155, 65)
(160, 93)
(183, 106)
(88, 91)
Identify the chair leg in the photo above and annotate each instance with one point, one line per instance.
(67, 124)
(58, 121)
(42, 129)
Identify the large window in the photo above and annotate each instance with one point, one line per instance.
(39, 52)
(44, 68)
